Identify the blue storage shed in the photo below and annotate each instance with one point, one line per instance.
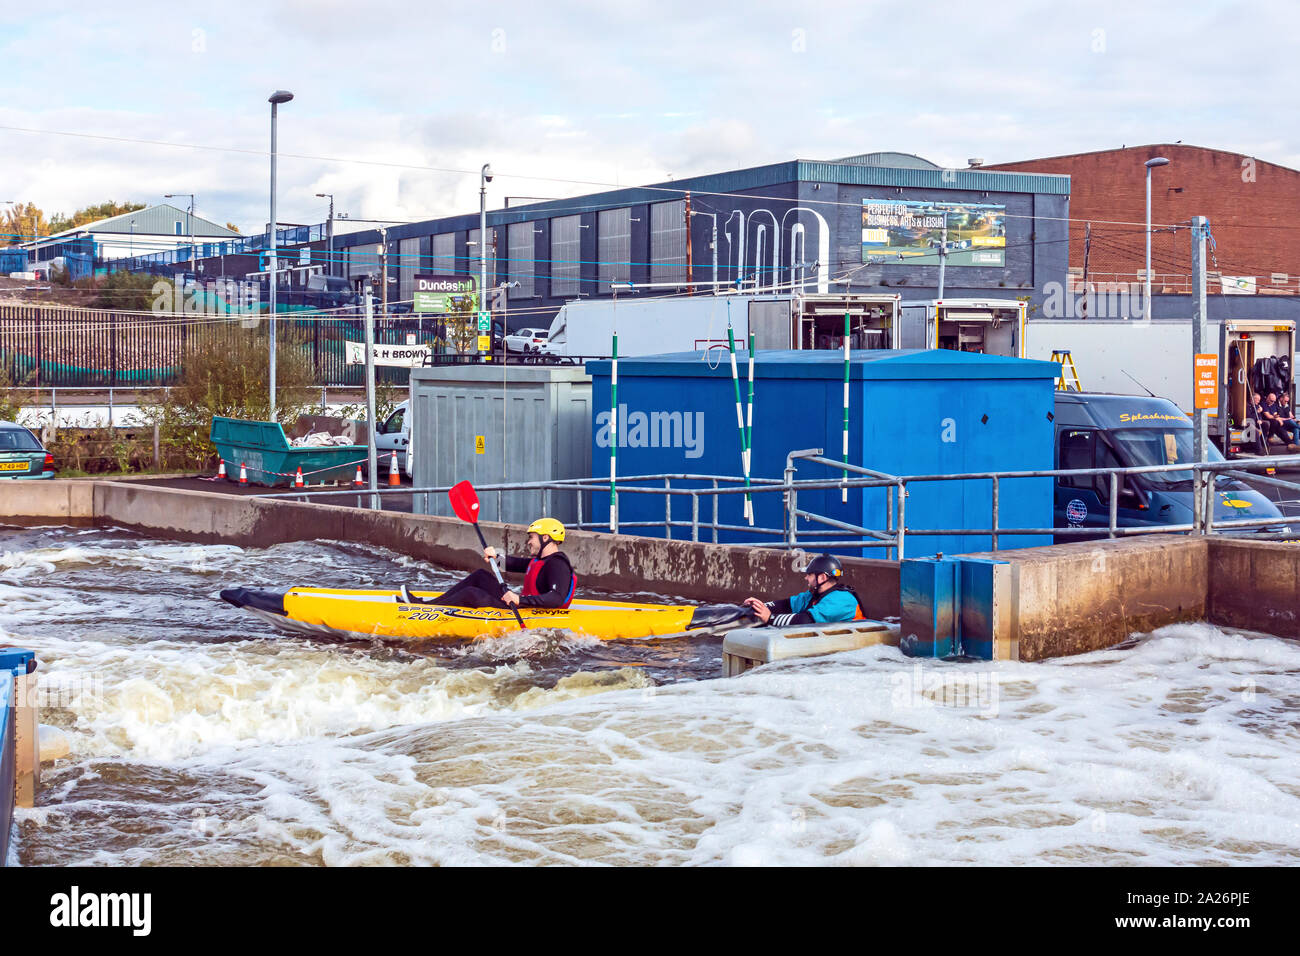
(912, 412)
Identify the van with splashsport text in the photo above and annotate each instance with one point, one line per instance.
(1125, 431)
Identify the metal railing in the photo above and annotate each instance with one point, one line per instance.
(893, 532)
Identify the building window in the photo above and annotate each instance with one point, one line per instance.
(668, 242)
(443, 252)
(522, 259)
(408, 264)
(614, 229)
(475, 251)
(361, 260)
(566, 256)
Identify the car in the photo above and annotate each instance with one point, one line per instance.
(527, 340)
(22, 455)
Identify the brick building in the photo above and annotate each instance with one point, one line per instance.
(1253, 207)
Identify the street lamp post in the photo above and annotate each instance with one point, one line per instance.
(130, 251)
(275, 99)
(1150, 164)
(485, 177)
(329, 232)
(192, 257)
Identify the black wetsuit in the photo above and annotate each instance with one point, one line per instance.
(555, 584)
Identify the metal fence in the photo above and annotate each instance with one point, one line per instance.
(52, 347)
(892, 533)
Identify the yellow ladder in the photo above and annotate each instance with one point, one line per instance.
(1069, 378)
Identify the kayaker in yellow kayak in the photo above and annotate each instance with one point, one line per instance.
(549, 580)
(827, 600)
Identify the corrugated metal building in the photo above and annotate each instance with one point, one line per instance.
(864, 223)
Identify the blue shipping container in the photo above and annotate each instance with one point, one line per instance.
(912, 412)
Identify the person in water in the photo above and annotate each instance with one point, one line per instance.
(827, 600)
(549, 580)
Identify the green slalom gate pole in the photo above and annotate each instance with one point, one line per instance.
(740, 421)
(749, 423)
(844, 492)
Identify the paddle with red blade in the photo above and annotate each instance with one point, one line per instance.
(464, 501)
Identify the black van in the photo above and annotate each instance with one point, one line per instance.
(1126, 431)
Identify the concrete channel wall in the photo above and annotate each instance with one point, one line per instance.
(40, 502)
(1061, 600)
(698, 572)
(1083, 596)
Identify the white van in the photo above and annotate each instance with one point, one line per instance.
(394, 435)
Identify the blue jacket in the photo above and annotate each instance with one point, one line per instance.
(837, 604)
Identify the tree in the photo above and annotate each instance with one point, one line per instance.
(461, 324)
(22, 222)
(233, 228)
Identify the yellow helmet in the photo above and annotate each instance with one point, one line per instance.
(548, 527)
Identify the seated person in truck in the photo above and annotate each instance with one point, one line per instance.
(1286, 416)
(827, 600)
(1256, 414)
(1272, 422)
(549, 580)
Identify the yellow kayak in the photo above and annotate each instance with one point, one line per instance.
(383, 614)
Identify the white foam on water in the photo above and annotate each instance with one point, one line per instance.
(1179, 750)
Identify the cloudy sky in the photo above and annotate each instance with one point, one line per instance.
(399, 103)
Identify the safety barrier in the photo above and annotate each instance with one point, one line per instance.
(893, 532)
(19, 758)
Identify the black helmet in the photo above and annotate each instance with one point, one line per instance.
(826, 564)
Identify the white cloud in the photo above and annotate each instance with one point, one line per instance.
(608, 93)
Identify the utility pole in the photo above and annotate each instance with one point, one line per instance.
(690, 258)
(372, 457)
(943, 253)
(383, 270)
(1200, 421)
(329, 234)
(275, 99)
(485, 177)
(1087, 250)
(1150, 164)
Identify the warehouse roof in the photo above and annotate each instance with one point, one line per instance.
(159, 220)
(821, 363)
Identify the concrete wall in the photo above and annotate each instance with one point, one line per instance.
(1074, 598)
(700, 572)
(1255, 585)
(40, 502)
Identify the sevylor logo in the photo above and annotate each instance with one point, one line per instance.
(656, 429)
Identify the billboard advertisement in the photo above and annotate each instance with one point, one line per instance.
(432, 292)
(908, 232)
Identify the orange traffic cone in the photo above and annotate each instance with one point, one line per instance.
(243, 474)
(394, 477)
(297, 479)
(358, 480)
(221, 468)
